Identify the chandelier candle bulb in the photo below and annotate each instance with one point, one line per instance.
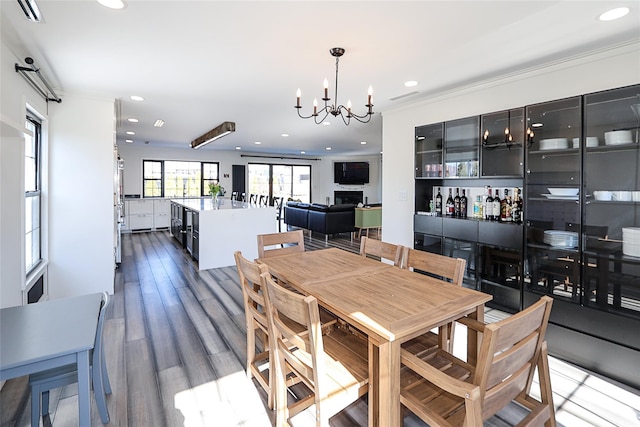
(298, 95)
(326, 90)
(315, 106)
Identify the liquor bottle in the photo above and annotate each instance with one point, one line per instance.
(478, 207)
(456, 204)
(496, 206)
(439, 203)
(516, 208)
(450, 205)
(505, 207)
(488, 206)
(463, 204)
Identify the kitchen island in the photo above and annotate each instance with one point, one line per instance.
(212, 232)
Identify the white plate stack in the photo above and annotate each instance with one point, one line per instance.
(618, 137)
(560, 238)
(554, 144)
(631, 241)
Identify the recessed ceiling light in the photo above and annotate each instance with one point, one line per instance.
(284, 135)
(303, 152)
(363, 142)
(328, 149)
(112, 4)
(136, 98)
(257, 142)
(410, 83)
(129, 141)
(238, 148)
(536, 125)
(326, 123)
(129, 132)
(159, 123)
(132, 120)
(612, 14)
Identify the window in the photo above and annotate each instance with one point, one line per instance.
(168, 178)
(33, 196)
(281, 181)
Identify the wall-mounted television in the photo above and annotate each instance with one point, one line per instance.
(353, 173)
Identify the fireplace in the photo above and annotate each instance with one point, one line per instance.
(345, 197)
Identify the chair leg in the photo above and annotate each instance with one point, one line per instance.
(105, 375)
(99, 393)
(545, 385)
(35, 406)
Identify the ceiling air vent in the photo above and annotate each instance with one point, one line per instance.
(31, 10)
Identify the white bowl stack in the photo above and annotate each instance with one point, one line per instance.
(560, 238)
(631, 241)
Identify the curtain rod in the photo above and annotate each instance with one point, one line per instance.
(279, 157)
(32, 69)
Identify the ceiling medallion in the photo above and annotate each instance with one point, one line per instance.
(335, 109)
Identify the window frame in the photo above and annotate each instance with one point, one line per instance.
(203, 182)
(36, 139)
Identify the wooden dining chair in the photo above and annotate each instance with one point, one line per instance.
(234, 196)
(441, 267)
(42, 382)
(287, 243)
(257, 324)
(263, 200)
(446, 391)
(382, 250)
(253, 199)
(333, 366)
(278, 202)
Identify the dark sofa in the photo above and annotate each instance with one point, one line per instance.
(321, 218)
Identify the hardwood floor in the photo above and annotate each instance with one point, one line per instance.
(175, 342)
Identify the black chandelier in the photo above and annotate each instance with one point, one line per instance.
(336, 110)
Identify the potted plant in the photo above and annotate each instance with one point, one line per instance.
(215, 190)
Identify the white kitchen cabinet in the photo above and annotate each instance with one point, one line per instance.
(161, 213)
(139, 214)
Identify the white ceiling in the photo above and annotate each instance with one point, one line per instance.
(200, 63)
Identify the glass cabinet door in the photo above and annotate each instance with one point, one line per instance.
(502, 137)
(611, 184)
(553, 137)
(552, 199)
(429, 151)
(461, 148)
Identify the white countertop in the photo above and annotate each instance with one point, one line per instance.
(206, 204)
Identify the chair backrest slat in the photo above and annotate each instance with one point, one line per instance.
(445, 267)
(291, 241)
(382, 250)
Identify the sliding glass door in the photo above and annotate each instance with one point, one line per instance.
(288, 181)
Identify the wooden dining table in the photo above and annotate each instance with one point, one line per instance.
(390, 305)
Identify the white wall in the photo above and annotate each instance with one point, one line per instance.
(81, 200)
(605, 70)
(16, 94)
(321, 170)
(78, 202)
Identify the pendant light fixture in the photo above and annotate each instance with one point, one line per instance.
(336, 109)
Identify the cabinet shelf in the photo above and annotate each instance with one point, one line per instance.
(559, 152)
(429, 151)
(613, 148)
